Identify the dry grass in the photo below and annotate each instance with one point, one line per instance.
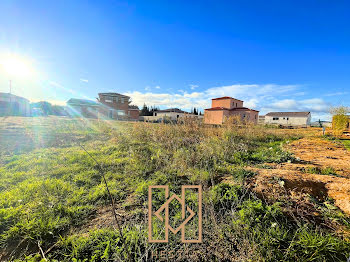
(51, 192)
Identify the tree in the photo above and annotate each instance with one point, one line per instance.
(194, 111)
(144, 111)
(44, 106)
(320, 123)
(340, 119)
(153, 109)
(47, 108)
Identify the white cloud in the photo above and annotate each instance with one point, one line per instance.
(148, 88)
(251, 103)
(185, 101)
(53, 102)
(193, 87)
(337, 94)
(266, 98)
(193, 95)
(84, 80)
(238, 90)
(252, 95)
(315, 105)
(285, 104)
(55, 84)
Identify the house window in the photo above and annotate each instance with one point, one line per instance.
(177, 116)
(155, 114)
(120, 113)
(116, 99)
(122, 100)
(275, 118)
(109, 99)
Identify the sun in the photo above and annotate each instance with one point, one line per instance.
(16, 66)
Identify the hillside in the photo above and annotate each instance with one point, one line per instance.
(268, 194)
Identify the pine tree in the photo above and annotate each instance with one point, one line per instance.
(145, 111)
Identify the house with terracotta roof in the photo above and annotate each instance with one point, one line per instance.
(292, 119)
(117, 106)
(225, 107)
(108, 106)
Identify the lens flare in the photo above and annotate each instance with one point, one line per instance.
(16, 66)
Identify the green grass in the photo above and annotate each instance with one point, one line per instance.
(321, 171)
(51, 189)
(346, 143)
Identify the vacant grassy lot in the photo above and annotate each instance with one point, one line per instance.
(54, 203)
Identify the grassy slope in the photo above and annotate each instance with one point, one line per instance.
(51, 191)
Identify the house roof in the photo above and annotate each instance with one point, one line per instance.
(289, 114)
(226, 97)
(218, 108)
(176, 110)
(243, 109)
(82, 102)
(112, 94)
(12, 96)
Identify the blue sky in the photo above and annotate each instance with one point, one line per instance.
(275, 55)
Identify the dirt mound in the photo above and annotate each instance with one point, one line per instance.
(296, 179)
(318, 186)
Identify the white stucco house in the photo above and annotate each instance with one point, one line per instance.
(172, 114)
(294, 119)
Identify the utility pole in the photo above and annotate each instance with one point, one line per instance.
(11, 107)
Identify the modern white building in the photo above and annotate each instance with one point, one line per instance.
(294, 119)
(261, 120)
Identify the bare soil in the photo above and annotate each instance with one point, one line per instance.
(293, 178)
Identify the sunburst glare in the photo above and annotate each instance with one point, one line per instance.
(16, 66)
